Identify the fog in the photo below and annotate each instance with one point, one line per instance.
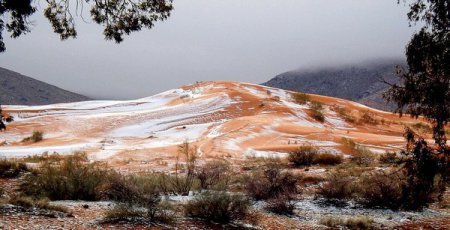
(241, 40)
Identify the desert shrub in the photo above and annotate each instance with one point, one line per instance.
(70, 179)
(304, 155)
(270, 182)
(381, 190)
(307, 155)
(183, 183)
(328, 159)
(214, 175)
(36, 136)
(338, 186)
(360, 154)
(358, 222)
(422, 127)
(390, 158)
(11, 168)
(81, 156)
(282, 204)
(300, 98)
(123, 212)
(316, 111)
(368, 118)
(219, 207)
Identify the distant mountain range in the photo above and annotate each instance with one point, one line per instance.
(17, 89)
(360, 82)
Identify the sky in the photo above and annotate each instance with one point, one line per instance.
(239, 40)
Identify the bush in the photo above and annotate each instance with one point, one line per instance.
(307, 155)
(344, 114)
(282, 204)
(339, 186)
(214, 175)
(270, 182)
(328, 159)
(303, 156)
(11, 168)
(390, 158)
(70, 179)
(219, 207)
(316, 112)
(360, 154)
(35, 137)
(123, 212)
(358, 222)
(368, 118)
(300, 98)
(381, 190)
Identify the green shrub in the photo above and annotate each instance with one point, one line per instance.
(270, 182)
(300, 98)
(316, 111)
(219, 207)
(70, 179)
(35, 137)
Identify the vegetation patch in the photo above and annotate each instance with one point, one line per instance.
(11, 168)
(219, 207)
(307, 155)
(316, 111)
(300, 98)
(358, 222)
(35, 137)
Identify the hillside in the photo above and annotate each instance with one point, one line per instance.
(360, 83)
(17, 89)
(233, 119)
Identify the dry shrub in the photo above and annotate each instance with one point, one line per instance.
(368, 118)
(381, 190)
(300, 98)
(304, 155)
(123, 212)
(338, 186)
(282, 204)
(316, 111)
(328, 159)
(219, 207)
(214, 175)
(307, 155)
(36, 136)
(390, 158)
(270, 182)
(360, 154)
(11, 168)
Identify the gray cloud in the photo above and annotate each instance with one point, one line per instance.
(243, 40)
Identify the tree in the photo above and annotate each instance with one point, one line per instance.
(119, 17)
(425, 86)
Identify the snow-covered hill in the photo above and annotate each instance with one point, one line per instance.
(230, 119)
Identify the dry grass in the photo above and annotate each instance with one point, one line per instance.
(35, 137)
(358, 222)
(300, 98)
(11, 168)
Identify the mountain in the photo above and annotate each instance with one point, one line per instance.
(227, 119)
(17, 89)
(361, 83)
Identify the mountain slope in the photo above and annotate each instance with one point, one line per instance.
(17, 89)
(360, 83)
(223, 119)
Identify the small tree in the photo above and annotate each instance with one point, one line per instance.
(184, 184)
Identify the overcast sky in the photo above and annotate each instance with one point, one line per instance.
(242, 40)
